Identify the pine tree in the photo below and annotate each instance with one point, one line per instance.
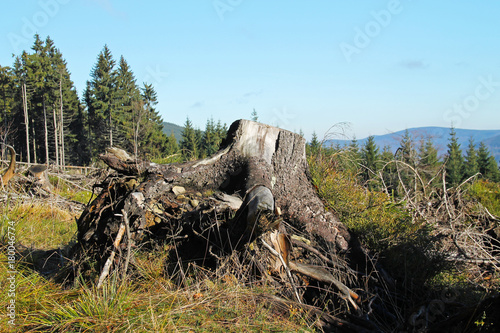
(7, 104)
(369, 157)
(353, 156)
(314, 145)
(198, 133)
(428, 161)
(487, 164)
(428, 154)
(189, 144)
(153, 139)
(406, 152)
(406, 156)
(171, 146)
(128, 115)
(389, 171)
(254, 116)
(221, 131)
(471, 166)
(211, 140)
(100, 98)
(454, 161)
(50, 101)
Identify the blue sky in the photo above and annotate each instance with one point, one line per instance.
(380, 66)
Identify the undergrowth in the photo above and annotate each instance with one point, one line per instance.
(147, 301)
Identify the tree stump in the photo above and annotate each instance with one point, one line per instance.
(257, 186)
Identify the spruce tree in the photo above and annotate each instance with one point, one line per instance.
(100, 98)
(52, 104)
(128, 114)
(7, 103)
(314, 145)
(389, 172)
(153, 139)
(254, 116)
(189, 144)
(210, 140)
(454, 161)
(221, 131)
(407, 157)
(428, 161)
(171, 146)
(487, 164)
(369, 157)
(471, 165)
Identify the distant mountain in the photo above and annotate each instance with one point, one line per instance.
(439, 136)
(169, 127)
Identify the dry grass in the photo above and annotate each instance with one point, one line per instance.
(148, 301)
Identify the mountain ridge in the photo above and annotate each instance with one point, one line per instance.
(439, 136)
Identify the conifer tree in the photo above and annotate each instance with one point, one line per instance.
(353, 156)
(369, 157)
(171, 146)
(471, 166)
(7, 104)
(254, 116)
(454, 161)
(127, 118)
(314, 145)
(153, 139)
(211, 140)
(487, 164)
(406, 155)
(189, 143)
(389, 173)
(221, 131)
(428, 161)
(50, 101)
(406, 152)
(100, 98)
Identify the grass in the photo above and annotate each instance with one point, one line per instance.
(406, 246)
(148, 301)
(39, 225)
(370, 214)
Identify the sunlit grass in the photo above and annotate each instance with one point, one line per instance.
(38, 225)
(148, 300)
(148, 303)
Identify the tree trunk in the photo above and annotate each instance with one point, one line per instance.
(26, 122)
(61, 128)
(56, 134)
(45, 133)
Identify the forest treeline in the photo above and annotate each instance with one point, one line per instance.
(381, 169)
(42, 116)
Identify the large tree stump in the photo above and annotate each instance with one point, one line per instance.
(256, 184)
(264, 165)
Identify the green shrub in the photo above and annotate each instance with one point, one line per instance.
(488, 194)
(372, 215)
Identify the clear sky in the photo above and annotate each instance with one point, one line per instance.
(381, 66)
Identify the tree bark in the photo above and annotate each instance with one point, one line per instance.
(257, 182)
